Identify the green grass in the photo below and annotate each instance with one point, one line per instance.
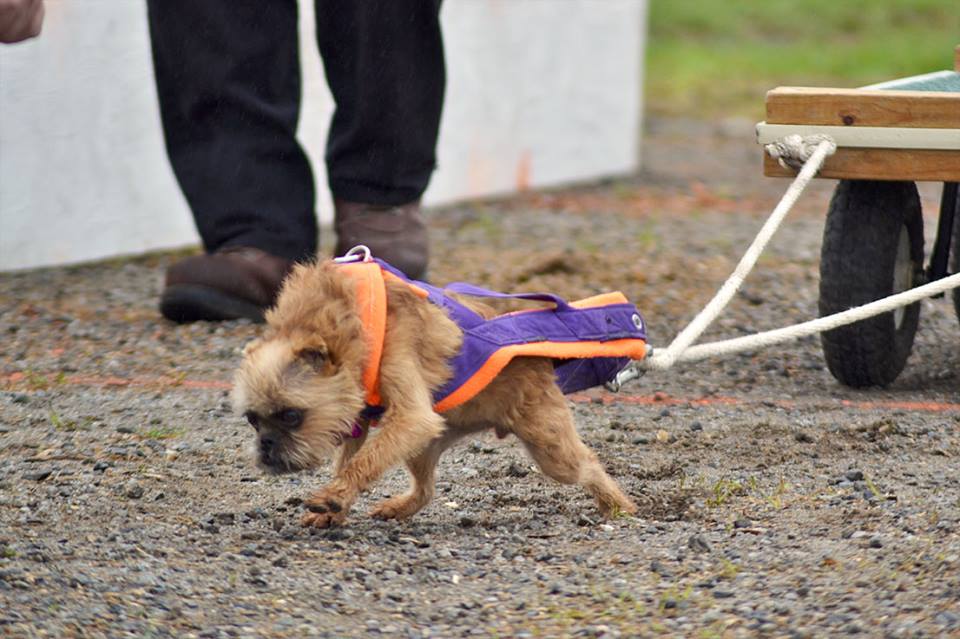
(723, 490)
(61, 424)
(709, 58)
(162, 433)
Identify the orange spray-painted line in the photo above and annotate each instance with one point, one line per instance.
(26, 381)
(22, 380)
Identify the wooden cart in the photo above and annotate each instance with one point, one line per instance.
(889, 136)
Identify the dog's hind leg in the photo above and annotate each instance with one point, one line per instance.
(546, 428)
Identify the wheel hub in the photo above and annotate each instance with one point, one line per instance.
(902, 273)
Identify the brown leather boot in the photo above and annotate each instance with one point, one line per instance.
(395, 234)
(232, 283)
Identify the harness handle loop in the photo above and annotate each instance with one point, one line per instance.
(464, 288)
(359, 252)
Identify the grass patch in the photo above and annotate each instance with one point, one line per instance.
(872, 487)
(775, 499)
(723, 490)
(675, 595)
(66, 425)
(36, 381)
(161, 433)
(719, 57)
(178, 378)
(486, 223)
(648, 237)
(728, 569)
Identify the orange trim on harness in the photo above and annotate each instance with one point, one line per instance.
(419, 292)
(632, 348)
(371, 295)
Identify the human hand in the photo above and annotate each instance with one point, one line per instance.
(20, 19)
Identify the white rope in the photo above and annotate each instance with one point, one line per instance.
(824, 147)
(791, 151)
(811, 327)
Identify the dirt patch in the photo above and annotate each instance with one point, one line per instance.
(669, 505)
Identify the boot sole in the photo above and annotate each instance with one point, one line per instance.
(183, 303)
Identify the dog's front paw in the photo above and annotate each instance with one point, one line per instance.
(325, 508)
(399, 507)
(322, 519)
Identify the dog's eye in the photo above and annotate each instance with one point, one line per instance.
(315, 358)
(252, 418)
(291, 417)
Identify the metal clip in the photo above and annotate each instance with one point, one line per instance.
(629, 373)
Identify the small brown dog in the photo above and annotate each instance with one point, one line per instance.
(301, 386)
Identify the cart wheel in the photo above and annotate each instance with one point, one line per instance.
(872, 248)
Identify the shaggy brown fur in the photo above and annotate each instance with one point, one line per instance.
(300, 386)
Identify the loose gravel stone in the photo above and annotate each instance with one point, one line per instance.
(699, 544)
(133, 490)
(517, 470)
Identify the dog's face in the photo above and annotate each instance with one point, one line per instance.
(301, 399)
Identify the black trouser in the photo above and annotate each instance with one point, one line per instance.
(228, 78)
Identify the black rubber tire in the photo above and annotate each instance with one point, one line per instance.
(857, 265)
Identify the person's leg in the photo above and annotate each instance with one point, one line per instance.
(385, 67)
(228, 79)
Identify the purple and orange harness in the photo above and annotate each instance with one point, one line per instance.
(589, 340)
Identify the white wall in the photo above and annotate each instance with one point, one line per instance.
(540, 92)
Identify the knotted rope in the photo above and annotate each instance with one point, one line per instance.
(793, 151)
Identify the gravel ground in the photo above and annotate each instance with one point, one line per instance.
(773, 501)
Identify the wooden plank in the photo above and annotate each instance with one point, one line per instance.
(881, 164)
(863, 107)
(873, 137)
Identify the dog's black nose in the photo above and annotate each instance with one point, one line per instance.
(266, 448)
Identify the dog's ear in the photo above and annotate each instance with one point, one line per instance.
(251, 346)
(316, 357)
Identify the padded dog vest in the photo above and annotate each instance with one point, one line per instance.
(589, 341)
